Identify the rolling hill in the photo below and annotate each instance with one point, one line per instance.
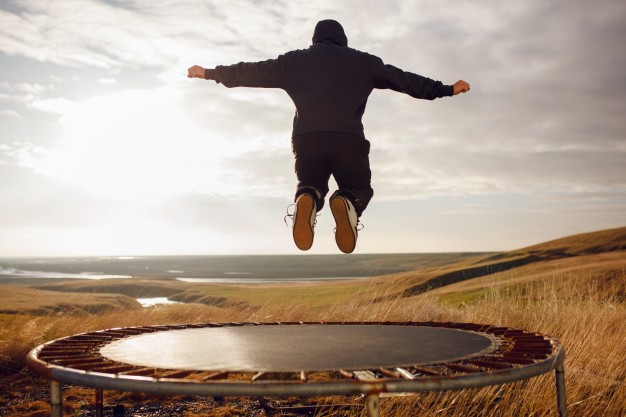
(606, 246)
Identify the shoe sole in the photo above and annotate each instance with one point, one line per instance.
(345, 236)
(302, 229)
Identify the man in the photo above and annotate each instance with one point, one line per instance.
(329, 84)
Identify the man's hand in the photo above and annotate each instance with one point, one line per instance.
(197, 72)
(461, 87)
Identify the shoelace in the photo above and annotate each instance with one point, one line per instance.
(293, 212)
(290, 215)
(359, 226)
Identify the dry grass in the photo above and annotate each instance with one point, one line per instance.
(43, 302)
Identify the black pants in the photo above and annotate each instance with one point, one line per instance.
(346, 157)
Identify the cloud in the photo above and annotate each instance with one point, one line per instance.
(11, 113)
(22, 93)
(89, 33)
(80, 33)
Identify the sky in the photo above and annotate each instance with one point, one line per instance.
(107, 148)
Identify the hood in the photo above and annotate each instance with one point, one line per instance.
(329, 31)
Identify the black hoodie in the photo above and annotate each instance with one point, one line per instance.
(329, 82)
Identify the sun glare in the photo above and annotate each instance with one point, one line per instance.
(135, 142)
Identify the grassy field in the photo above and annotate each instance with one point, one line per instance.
(44, 302)
(573, 289)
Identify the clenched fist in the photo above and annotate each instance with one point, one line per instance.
(461, 87)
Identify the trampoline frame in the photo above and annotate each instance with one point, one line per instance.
(76, 360)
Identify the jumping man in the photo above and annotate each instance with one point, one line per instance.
(329, 84)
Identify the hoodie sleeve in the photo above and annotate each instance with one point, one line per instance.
(390, 77)
(268, 74)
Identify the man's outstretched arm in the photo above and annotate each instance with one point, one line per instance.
(417, 86)
(268, 74)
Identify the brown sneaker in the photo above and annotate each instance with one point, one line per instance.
(304, 222)
(346, 221)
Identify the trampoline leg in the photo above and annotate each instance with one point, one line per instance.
(560, 390)
(99, 403)
(56, 400)
(373, 405)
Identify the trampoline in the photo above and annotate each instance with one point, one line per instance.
(301, 359)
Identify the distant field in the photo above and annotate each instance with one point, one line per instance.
(261, 266)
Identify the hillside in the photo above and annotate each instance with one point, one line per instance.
(586, 244)
(602, 275)
(41, 302)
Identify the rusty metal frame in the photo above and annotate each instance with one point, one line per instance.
(76, 360)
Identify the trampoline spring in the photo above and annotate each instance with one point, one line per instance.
(67, 348)
(126, 332)
(117, 335)
(73, 362)
(93, 340)
(196, 325)
(514, 333)
(70, 344)
(158, 328)
(94, 366)
(257, 376)
(405, 374)
(175, 326)
(520, 360)
(491, 364)
(542, 346)
(145, 329)
(60, 355)
(530, 339)
(462, 368)
(533, 353)
(139, 372)
(526, 341)
(173, 374)
(527, 336)
(497, 330)
(347, 374)
(210, 324)
(389, 372)
(116, 369)
(428, 371)
(215, 375)
(470, 326)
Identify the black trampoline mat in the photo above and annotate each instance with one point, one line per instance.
(292, 348)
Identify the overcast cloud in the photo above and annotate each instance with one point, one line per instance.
(107, 148)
